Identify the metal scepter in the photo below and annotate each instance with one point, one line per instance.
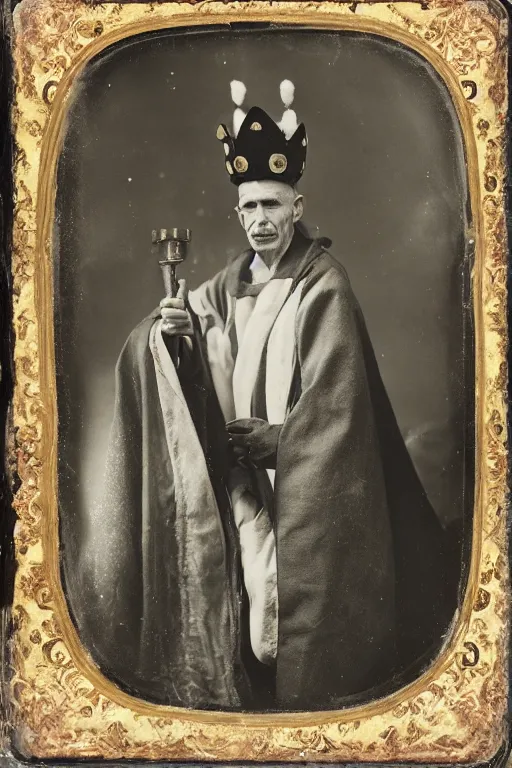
(171, 247)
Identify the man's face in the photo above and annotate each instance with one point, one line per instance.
(267, 211)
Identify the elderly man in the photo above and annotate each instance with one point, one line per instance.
(258, 480)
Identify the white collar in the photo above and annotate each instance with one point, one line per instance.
(259, 270)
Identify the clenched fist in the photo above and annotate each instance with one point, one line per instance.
(175, 316)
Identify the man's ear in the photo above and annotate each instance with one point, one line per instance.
(298, 208)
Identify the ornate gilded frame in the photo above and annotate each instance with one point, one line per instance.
(62, 706)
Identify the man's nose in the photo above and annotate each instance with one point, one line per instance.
(261, 215)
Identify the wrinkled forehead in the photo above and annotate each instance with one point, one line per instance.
(258, 191)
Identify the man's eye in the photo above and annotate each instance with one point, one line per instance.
(249, 207)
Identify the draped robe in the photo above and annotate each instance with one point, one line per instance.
(359, 551)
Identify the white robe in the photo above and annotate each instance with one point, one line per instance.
(234, 380)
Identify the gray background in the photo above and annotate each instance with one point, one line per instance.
(385, 179)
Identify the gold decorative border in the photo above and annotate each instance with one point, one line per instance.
(62, 705)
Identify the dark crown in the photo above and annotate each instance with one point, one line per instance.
(262, 151)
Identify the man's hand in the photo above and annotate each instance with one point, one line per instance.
(176, 318)
(254, 440)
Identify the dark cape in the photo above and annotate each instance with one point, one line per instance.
(362, 573)
(154, 589)
(365, 583)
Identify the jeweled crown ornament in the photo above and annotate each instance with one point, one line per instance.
(260, 148)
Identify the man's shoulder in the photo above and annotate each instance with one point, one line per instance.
(326, 272)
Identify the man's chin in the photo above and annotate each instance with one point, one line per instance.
(264, 244)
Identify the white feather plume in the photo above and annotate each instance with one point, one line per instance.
(288, 123)
(238, 91)
(238, 118)
(287, 90)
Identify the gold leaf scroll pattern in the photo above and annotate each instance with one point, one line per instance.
(46, 699)
(466, 37)
(423, 711)
(66, 31)
(464, 34)
(484, 38)
(492, 202)
(451, 689)
(61, 708)
(27, 403)
(27, 531)
(494, 289)
(66, 686)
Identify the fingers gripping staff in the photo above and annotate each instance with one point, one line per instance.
(171, 247)
(175, 316)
